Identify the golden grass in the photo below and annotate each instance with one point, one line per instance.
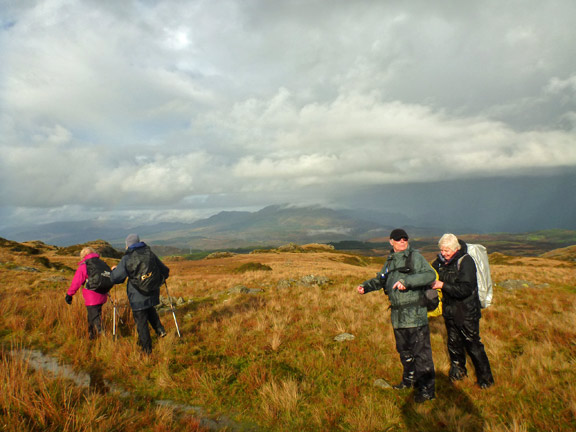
(270, 358)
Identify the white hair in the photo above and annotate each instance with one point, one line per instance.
(449, 241)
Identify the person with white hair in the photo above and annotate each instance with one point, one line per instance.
(461, 310)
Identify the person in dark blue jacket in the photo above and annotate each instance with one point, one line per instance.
(461, 310)
(146, 273)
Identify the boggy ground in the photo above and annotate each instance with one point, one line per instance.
(266, 357)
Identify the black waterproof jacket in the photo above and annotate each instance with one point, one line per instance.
(460, 301)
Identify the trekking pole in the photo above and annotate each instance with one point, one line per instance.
(113, 316)
(173, 311)
(114, 321)
(114, 307)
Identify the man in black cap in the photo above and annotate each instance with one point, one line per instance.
(146, 274)
(404, 277)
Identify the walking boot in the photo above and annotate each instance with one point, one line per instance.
(403, 385)
(422, 397)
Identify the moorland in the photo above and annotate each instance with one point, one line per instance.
(259, 348)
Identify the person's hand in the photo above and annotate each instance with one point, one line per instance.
(399, 286)
(68, 299)
(113, 267)
(437, 285)
(360, 289)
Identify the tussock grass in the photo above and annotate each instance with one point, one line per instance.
(270, 358)
(251, 267)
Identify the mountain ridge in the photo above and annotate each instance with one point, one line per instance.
(271, 226)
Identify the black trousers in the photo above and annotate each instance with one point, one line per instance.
(465, 338)
(142, 318)
(413, 345)
(94, 320)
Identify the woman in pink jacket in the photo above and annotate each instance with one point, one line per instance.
(92, 299)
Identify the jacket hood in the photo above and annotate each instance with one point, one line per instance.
(463, 247)
(89, 256)
(137, 245)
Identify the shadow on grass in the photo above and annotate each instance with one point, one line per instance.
(452, 410)
(242, 305)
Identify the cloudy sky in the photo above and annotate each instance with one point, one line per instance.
(179, 109)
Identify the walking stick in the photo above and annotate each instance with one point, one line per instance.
(173, 311)
(114, 321)
(114, 316)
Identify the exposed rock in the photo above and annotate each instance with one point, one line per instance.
(57, 279)
(382, 383)
(315, 280)
(176, 301)
(241, 289)
(286, 283)
(344, 337)
(308, 280)
(27, 269)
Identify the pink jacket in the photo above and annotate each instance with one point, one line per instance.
(91, 298)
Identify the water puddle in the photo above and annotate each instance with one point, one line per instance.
(39, 361)
(94, 382)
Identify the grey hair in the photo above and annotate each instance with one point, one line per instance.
(449, 241)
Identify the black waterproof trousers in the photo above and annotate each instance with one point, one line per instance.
(142, 318)
(413, 345)
(465, 338)
(94, 320)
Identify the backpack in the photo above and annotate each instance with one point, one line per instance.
(144, 271)
(480, 257)
(98, 276)
(430, 299)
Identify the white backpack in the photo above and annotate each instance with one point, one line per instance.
(480, 257)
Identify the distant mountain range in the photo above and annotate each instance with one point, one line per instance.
(358, 230)
(271, 226)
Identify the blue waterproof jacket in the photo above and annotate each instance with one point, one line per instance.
(138, 300)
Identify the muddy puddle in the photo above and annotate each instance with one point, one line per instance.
(94, 382)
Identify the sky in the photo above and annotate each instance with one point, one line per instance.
(172, 111)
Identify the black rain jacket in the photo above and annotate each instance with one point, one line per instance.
(460, 301)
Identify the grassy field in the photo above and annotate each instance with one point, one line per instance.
(258, 352)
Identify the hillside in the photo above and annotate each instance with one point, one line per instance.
(258, 349)
(564, 254)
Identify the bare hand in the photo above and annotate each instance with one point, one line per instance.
(360, 289)
(437, 285)
(399, 286)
